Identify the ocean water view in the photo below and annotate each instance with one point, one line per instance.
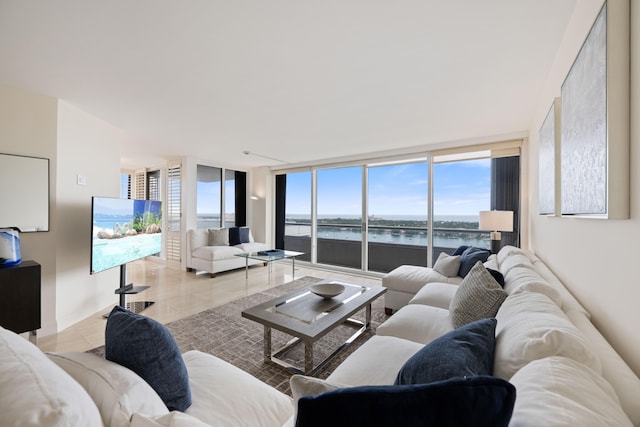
(451, 230)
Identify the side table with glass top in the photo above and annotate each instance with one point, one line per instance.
(268, 259)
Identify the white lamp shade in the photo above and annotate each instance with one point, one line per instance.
(496, 220)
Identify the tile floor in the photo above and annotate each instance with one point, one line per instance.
(178, 294)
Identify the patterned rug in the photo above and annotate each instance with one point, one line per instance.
(222, 331)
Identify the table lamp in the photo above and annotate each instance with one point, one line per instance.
(496, 222)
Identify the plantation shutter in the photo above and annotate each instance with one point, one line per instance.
(174, 215)
(141, 185)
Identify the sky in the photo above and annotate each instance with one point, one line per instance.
(460, 188)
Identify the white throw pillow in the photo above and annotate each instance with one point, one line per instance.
(560, 392)
(34, 391)
(447, 265)
(218, 237)
(530, 327)
(117, 391)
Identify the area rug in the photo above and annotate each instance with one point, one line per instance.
(222, 331)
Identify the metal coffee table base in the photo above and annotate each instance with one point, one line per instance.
(309, 368)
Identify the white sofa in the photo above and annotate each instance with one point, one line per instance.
(564, 371)
(206, 253)
(84, 390)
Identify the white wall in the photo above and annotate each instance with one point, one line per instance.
(596, 259)
(89, 147)
(75, 143)
(28, 125)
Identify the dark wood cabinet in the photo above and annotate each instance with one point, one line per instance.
(20, 298)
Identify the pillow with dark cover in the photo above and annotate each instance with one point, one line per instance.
(477, 401)
(238, 235)
(147, 348)
(497, 275)
(459, 250)
(469, 257)
(464, 352)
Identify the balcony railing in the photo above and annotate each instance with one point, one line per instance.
(388, 246)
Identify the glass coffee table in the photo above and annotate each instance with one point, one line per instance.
(308, 317)
(268, 257)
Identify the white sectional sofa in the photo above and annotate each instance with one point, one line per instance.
(210, 250)
(563, 370)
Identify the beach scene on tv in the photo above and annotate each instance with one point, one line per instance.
(124, 230)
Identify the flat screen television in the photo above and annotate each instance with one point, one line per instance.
(123, 230)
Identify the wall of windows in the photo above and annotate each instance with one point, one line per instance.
(375, 217)
(214, 196)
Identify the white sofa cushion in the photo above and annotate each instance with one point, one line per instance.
(197, 238)
(213, 253)
(376, 362)
(530, 327)
(411, 278)
(525, 279)
(435, 294)
(418, 323)
(224, 395)
(117, 391)
(251, 247)
(172, 419)
(34, 391)
(623, 380)
(560, 392)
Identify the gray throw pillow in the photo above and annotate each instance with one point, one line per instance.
(478, 296)
(218, 237)
(447, 265)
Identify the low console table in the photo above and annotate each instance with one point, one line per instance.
(268, 259)
(20, 300)
(308, 317)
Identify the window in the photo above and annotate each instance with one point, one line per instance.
(229, 198)
(125, 186)
(339, 211)
(329, 212)
(398, 212)
(461, 189)
(297, 225)
(208, 197)
(213, 198)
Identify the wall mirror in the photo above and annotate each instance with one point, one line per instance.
(24, 192)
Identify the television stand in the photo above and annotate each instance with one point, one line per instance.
(133, 306)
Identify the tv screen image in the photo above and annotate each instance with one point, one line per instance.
(124, 230)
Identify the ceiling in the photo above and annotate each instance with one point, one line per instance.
(289, 81)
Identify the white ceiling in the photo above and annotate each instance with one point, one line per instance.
(294, 80)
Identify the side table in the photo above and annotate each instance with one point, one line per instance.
(20, 301)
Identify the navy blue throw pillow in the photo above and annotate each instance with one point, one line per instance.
(147, 347)
(464, 352)
(459, 250)
(497, 275)
(234, 236)
(238, 235)
(470, 257)
(477, 401)
(244, 235)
